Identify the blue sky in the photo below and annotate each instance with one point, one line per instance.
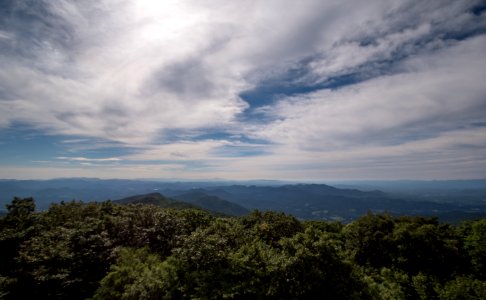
(294, 90)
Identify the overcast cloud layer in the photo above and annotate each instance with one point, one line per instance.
(304, 90)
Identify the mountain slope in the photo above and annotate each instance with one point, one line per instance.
(192, 199)
(155, 199)
(213, 203)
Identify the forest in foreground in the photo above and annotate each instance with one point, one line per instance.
(104, 250)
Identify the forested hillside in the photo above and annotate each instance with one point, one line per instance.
(105, 250)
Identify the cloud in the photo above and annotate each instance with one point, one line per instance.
(451, 155)
(131, 73)
(4, 35)
(96, 82)
(404, 29)
(428, 96)
(85, 159)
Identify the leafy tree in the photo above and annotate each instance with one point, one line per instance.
(224, 262)
(202, 261)
(272, 226)
(385, 284)
(137, 275)
(252, 267)
(311, 268)
(475, 243)
(15, 228)
(69, 255)
(369, 240)
(462, 288)
(424, 286)
(20, 211)
(425, 246)
(159, 229)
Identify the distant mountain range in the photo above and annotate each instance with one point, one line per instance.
(305, 201)
(319, 201)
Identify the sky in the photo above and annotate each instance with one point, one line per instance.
(291, 90)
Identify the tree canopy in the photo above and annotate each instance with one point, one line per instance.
(77, 250)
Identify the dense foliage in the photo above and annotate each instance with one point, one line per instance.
(104, 250)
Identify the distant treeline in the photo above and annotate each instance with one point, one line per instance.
(104, 250)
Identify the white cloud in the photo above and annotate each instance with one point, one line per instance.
(4, 35)
(451, 155)
(129, 172)
(179, 151)
(128, 72)
(401, 29)
(98, 87)
(85, 159)
(434, 93)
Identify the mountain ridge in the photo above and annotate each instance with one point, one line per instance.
(305, 201)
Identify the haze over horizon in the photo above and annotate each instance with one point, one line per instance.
(289, 90)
